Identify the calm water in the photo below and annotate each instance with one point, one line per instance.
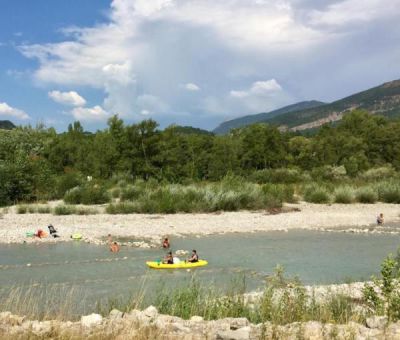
(315, 257)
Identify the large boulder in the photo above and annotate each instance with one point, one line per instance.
(151, 312)
(91, 320)
(238, 334)
(378, 322)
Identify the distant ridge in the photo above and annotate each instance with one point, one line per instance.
(225, 127)
(383, 99)
(6, 125)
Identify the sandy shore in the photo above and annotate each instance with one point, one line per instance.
(94, 228)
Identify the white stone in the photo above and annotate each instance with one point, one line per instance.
(238, 334)
(150, 312)
(378, 322)
(116, 314)
(91, 320)
(196, 318)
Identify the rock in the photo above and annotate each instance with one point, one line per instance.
(236, 323)
(378, 322)
(40, 328)
(238, 334)
(196, 318)
(151, 312)
(116, 314)
(91, 320)
(312, 330)
(179, 328)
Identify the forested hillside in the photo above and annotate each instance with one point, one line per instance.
(41, 164)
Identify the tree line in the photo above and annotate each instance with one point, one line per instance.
(38, 163)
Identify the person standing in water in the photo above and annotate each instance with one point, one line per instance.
(166, 243)
(380, 220)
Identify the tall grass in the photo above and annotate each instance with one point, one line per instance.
(388, 191)
(231, 194)
(63, 209)
(316, 194)
(344, 195)
(33, 209)
(87, 194)
(366, 195)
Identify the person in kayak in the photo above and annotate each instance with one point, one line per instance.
(169, 259)
(194, 258)
(166, 243)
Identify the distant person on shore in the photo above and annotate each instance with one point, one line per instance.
(194, 257)
(53, 231)
(169, 259)
(380, 219)
(109, 239)
(166, 243)
(114, 247)
(40, 233)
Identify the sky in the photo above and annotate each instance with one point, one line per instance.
(187, 62)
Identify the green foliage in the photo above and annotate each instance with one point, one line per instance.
(288, 176)
(87, 194)
(388, 191)
(366, 195)
(63, 209)
(383, 172)
(33, 209)
(344, 195)
(121, 208)
(316, 194)
(68, 181)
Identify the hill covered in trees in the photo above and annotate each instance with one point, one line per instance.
(227, 126)
(383, 100)
(42, 164)
(6, 125)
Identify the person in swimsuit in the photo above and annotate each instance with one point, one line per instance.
(380, 219)
(166, 243)
(194, 257)
(114, 247)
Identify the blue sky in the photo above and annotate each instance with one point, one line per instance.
(190, 62)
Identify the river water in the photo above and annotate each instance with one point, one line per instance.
(316, 257)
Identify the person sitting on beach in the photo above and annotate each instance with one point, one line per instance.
(380, 219)
(53, 231)
(169, 259)
(114, 247)
(166, 243)
(194, 257)
(40, 233)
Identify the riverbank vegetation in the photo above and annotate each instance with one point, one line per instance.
(283, 300)
(139, 168)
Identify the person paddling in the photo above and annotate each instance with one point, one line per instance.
(169, 259)
(194, 258)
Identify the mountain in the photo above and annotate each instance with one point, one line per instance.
(383, 99)
(6, 125)
(225, 127)
(189, 130)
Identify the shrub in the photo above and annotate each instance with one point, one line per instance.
(43, 209)
(67, 182)
(329, 173)
(389, 191)
(121, 208)
(22, 209)
(316, 194)
(366, 195)
(379, 173)
(87, 194)
(130, 193)
(116, 192)
(344, 195)
(63, 209)
(288, 176)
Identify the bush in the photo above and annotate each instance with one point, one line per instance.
(344, 195)
(22, 209)
(130, 193)
(121, 208)
(115, 193)
(63, 209)
(284, 175)
(87, 194)
(366, 195)
(379, 173)
(389, 191)
(316, 194)
(67, 182)
(43, 209)
(329, 173)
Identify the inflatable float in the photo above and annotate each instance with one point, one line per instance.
(180, 265)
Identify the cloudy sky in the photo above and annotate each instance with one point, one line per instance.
(190, 62)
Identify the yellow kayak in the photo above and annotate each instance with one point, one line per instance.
(183, 264)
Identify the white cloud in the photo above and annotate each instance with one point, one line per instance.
(145, 112)
(192, 87)
(71, 98)
(11, 112)
(90, 114)
(258, 88)
(353, 12)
